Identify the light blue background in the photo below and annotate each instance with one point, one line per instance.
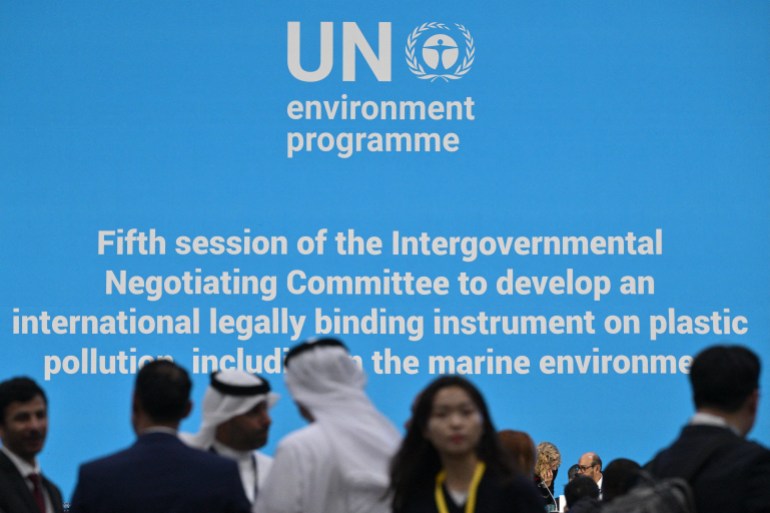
(592, 117)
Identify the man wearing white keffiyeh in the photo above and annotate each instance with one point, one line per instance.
(235, 423)
(338, 463)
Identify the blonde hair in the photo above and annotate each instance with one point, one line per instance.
(547, 456)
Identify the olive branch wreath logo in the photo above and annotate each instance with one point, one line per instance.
(417, 68)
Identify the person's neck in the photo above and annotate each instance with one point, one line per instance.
(459, 471)
(143, 423)
(736, 420)
(225, 449)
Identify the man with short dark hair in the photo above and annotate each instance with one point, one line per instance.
(23, 429)
(159, 473)
(727, 472)
(620, 476)
(582, 495)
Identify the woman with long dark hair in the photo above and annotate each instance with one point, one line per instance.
(450, 460)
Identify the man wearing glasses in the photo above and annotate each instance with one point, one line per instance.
(590, 465)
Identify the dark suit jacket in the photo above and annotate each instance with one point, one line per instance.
(736, 478)
(160, 474)
(494, 495)
(15, 496)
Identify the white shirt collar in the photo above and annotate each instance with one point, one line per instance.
(22, 466)
(25, 469)
(707, 419)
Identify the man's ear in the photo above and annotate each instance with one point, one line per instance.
(752, 403)
(187, 409)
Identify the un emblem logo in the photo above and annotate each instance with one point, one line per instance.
(436, 50)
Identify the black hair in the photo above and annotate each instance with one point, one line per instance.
(723, 377)
(309, 346)
(580, 487)
(163, 390)
(417, 462)
(619, 477)
(19, 389)
(240, 390)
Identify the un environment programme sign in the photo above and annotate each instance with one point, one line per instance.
(434, 52)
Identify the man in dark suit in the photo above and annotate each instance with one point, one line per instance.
(23, 428)
(727, 472)
(159, 473)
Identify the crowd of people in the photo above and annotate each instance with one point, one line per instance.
(350, 458)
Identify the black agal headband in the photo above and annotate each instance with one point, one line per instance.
(240, 390)
(309, 345)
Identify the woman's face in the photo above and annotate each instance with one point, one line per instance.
(455, 424)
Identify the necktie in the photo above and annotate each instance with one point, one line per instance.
(37, 491)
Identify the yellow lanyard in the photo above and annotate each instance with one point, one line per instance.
(470, 504)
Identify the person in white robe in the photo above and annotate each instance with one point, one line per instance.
(235, 423)
(339, 462)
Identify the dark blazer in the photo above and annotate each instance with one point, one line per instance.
(15, 495)
(736, 478)
(160, 474)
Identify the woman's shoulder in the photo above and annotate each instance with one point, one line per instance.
(516, 493)
(420, 501)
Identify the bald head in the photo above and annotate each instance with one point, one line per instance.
(590, 464)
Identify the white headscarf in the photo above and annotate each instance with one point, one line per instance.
(325, 380)
(231, 393)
